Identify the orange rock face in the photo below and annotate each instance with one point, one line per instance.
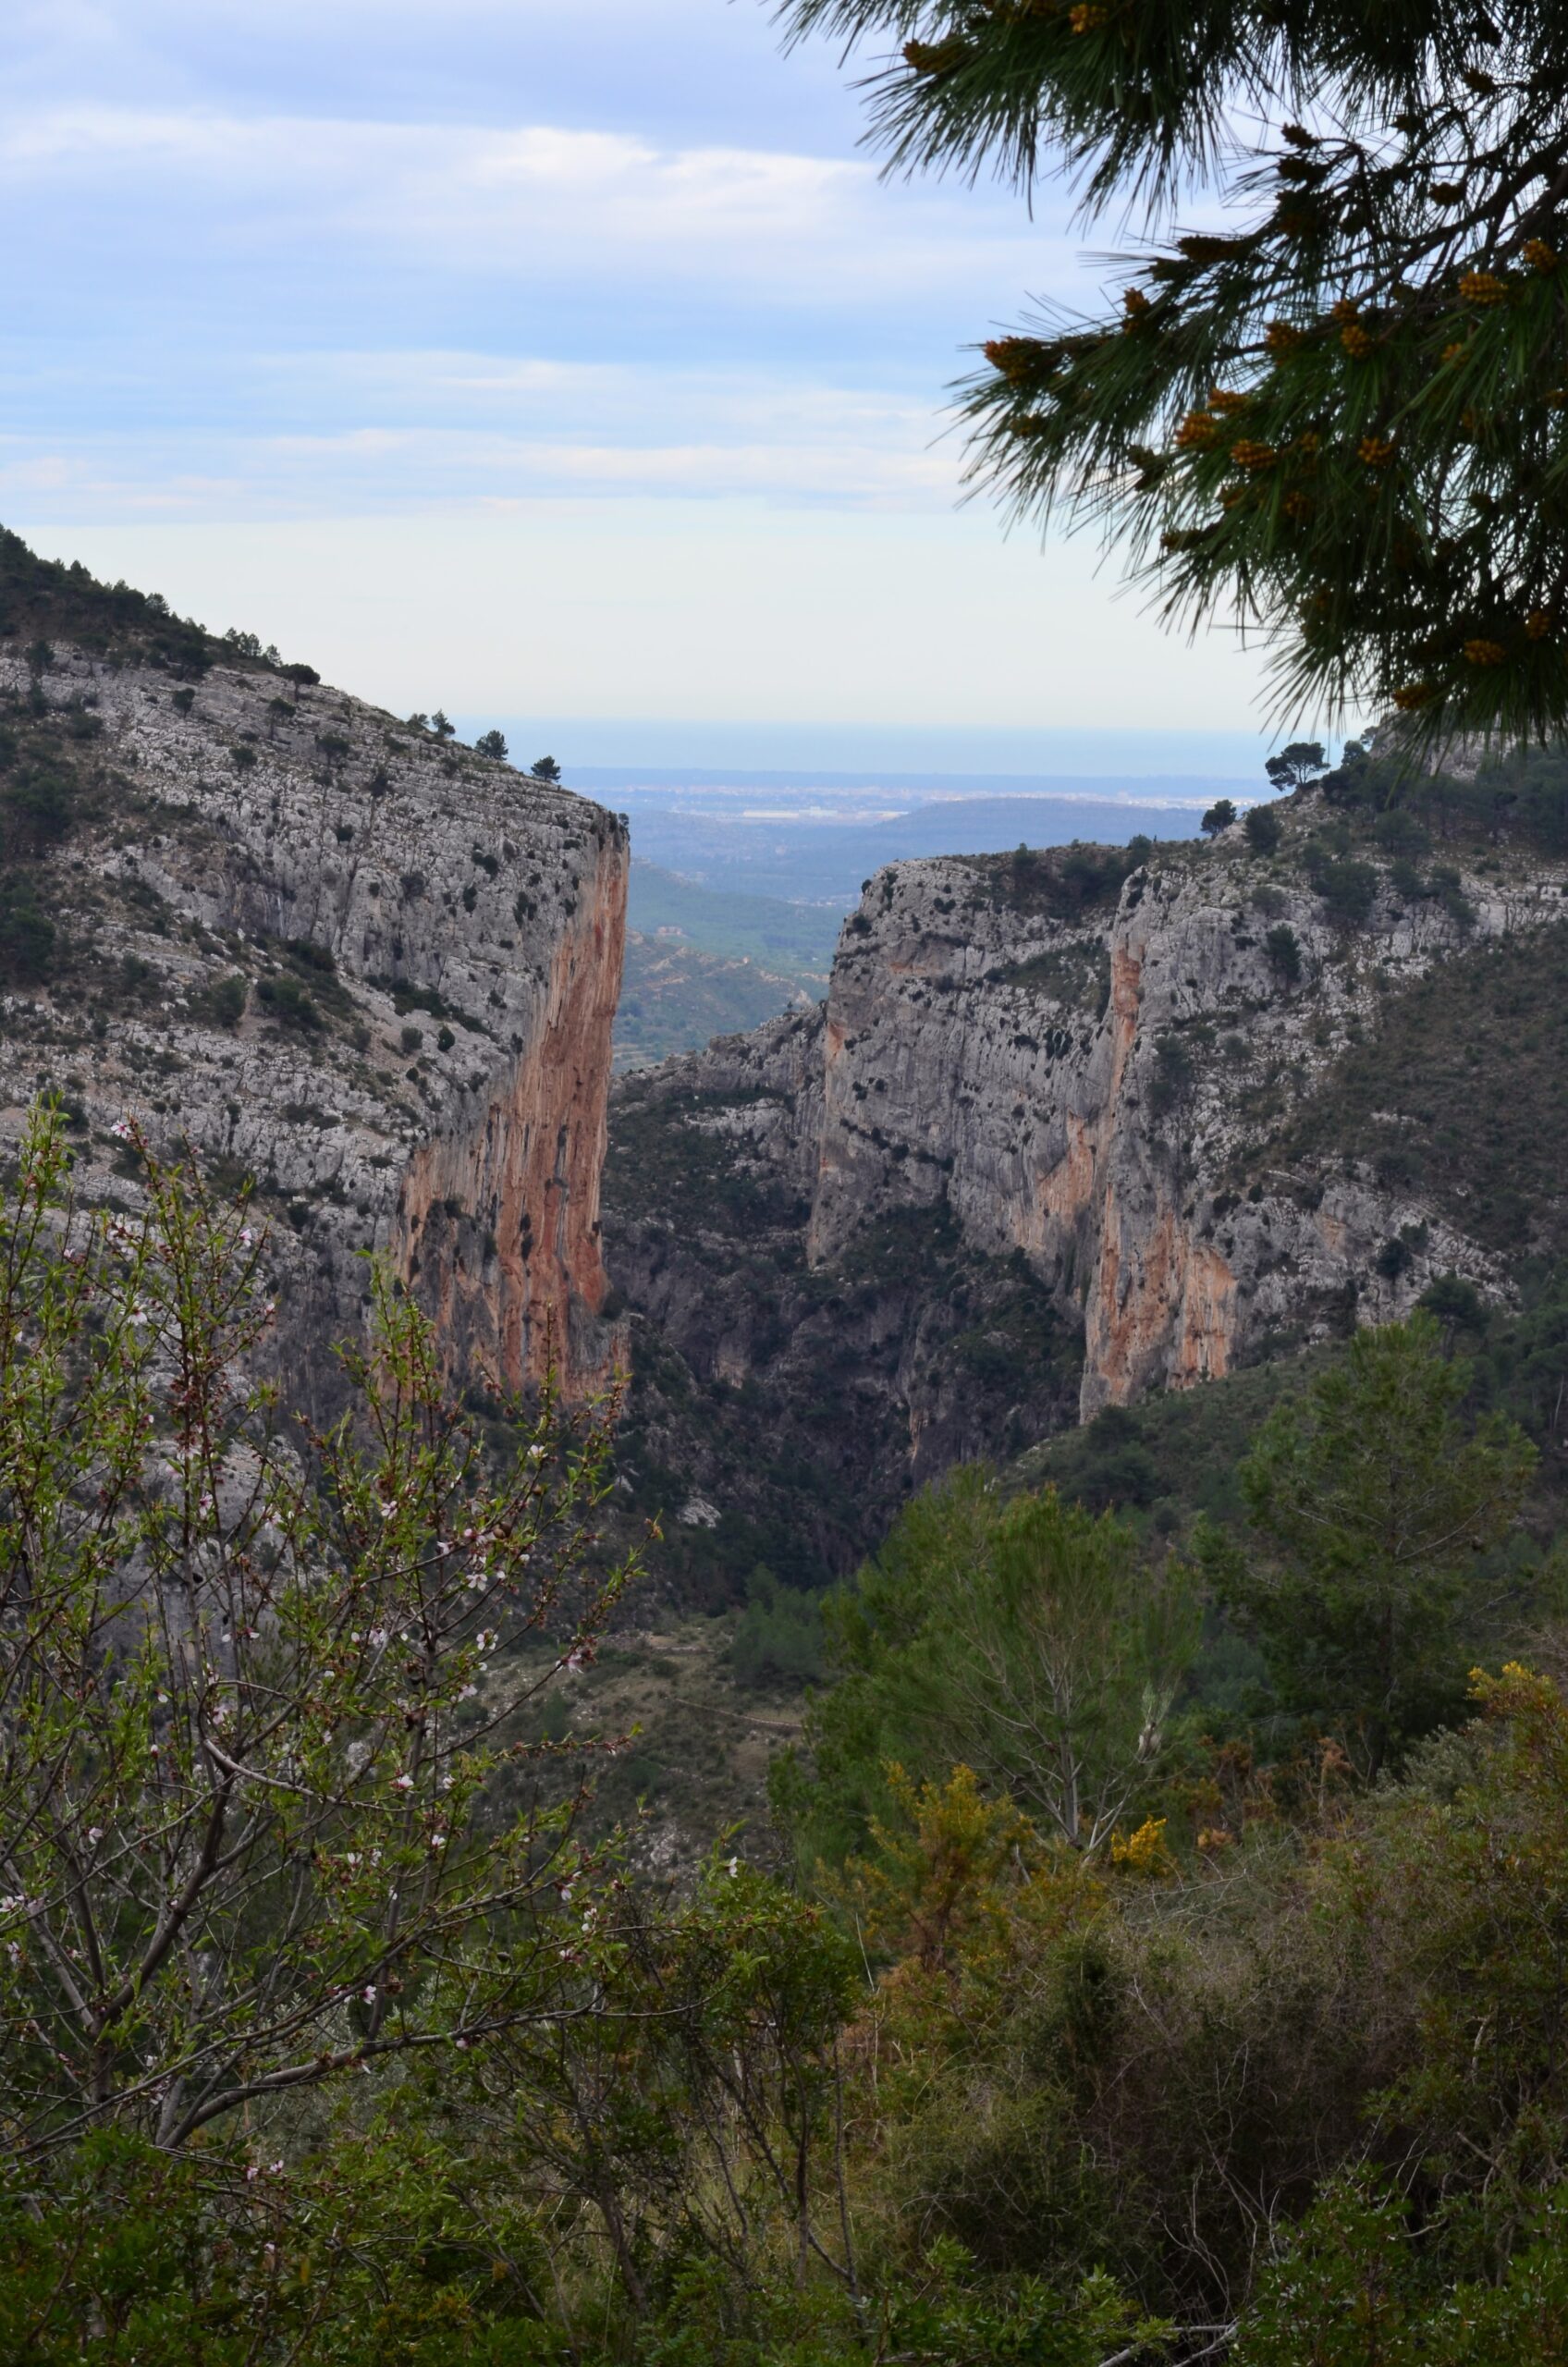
(1161, 1312)
(497, 1226)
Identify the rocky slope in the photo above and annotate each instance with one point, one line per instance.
(1069, 1129)
(375, 971)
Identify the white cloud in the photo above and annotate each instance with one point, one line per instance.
(452, 430)
(564, 358)
(532, 203)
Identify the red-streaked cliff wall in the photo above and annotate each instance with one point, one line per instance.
(1087, 1090)
(498, 1222)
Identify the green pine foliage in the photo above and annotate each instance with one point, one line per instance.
(1369, 1502)
(1342, 415)
(1021, 1637)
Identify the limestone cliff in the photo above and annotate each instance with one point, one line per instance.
(1123, 1081)
(372, 969)
(1091, 1092)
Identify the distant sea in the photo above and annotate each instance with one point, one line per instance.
(806, 812)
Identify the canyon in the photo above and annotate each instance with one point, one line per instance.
(1071, 1126)
(1063, 1133)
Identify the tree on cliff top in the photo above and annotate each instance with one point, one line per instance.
(1342, 420)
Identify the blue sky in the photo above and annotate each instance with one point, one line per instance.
(550, 357)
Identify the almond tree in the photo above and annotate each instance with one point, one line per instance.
(261, 1691)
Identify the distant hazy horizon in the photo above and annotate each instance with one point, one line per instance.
(914, 757)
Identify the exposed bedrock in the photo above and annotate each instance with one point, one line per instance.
(373, 970)
(1131, 1101)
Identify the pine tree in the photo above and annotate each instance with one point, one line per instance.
(1370, 1501)
(1345, 419)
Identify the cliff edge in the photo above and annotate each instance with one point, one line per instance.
(372, 969)
(1077, 1124)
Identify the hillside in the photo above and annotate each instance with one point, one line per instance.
(331, 951)
(675, 996)
(700, 963)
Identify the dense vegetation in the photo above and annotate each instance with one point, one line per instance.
(43, 599)
(1170, 1965)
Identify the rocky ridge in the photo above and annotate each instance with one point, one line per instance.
(1092, 1083)
(329, 950)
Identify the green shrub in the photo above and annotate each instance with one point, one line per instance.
(312, 956)
(36, 808)
(1283, 948)
(778, 1640)
(1398, 833)
(1449, 890)
(1264, 829)
(1023, 1638)
(1173, 1078)
(287, 1000)
(1369, 1502)
(1348, 889)
(26, 934)
(224, 1001)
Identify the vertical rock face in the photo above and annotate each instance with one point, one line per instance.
(528, 1175)
(1088, 1088)
(1060, 1112)
(375, 971)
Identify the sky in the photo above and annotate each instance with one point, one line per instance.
(557, 359)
